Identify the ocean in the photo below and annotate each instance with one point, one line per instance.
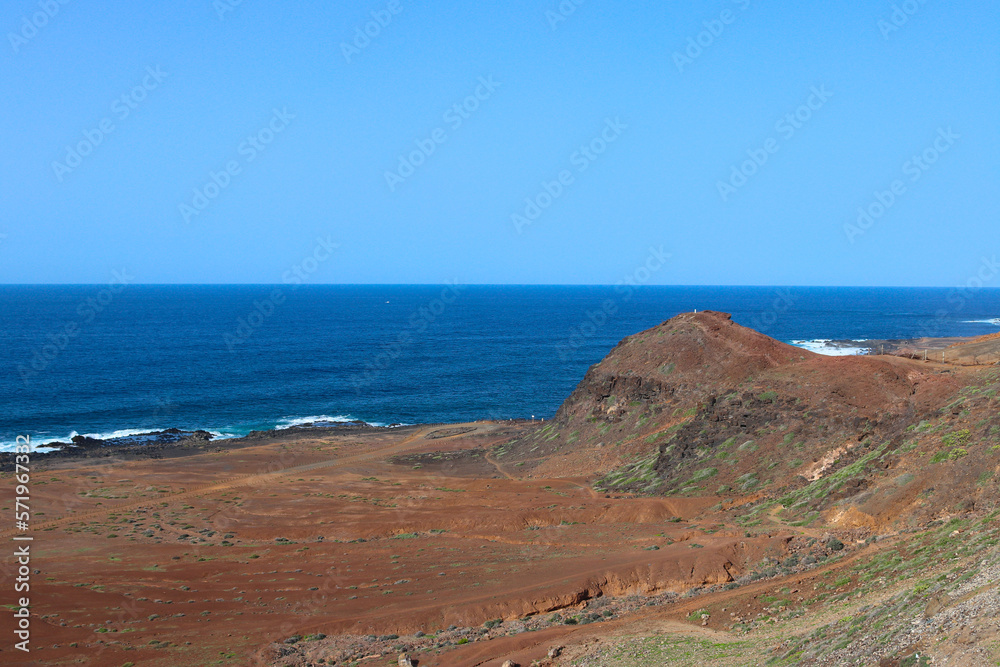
(123, 359)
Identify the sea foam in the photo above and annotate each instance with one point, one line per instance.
(829, 348)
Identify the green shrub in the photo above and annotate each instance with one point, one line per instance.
(956, 439)
(704, 473)
(949, 455)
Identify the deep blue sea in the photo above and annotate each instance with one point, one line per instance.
(93, 360)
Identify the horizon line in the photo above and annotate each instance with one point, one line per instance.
(445, 284)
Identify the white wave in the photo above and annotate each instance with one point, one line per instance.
(43, 443)
(995, 321)
(827, 347)
(289, 422)
(11, 445)
(8, 446)
(120, 433)
(223, 433)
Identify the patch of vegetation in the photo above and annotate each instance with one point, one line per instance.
(747, 481)
(949, 455)
(697, 615)
(704, 473)
(956, 439)
(674, 650)
(640, 474)
(824, 485)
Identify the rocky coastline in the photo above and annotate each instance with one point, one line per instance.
(174, 442)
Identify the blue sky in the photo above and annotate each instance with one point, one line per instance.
(207, 142)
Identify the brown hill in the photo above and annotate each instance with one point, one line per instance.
(701, 405)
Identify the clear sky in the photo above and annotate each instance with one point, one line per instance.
(236, 141)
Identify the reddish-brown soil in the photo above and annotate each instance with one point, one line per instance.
(697, 455)
(366, 547)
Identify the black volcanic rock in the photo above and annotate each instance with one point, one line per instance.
(85, 441)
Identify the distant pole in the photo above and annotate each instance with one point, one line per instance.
(925, 355)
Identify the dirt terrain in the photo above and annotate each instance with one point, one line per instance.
(707, 495)
(982, 350)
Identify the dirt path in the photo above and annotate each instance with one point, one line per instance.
(496, 464)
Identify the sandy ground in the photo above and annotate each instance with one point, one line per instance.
(204, 559)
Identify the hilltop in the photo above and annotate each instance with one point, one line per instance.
(700, 405)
